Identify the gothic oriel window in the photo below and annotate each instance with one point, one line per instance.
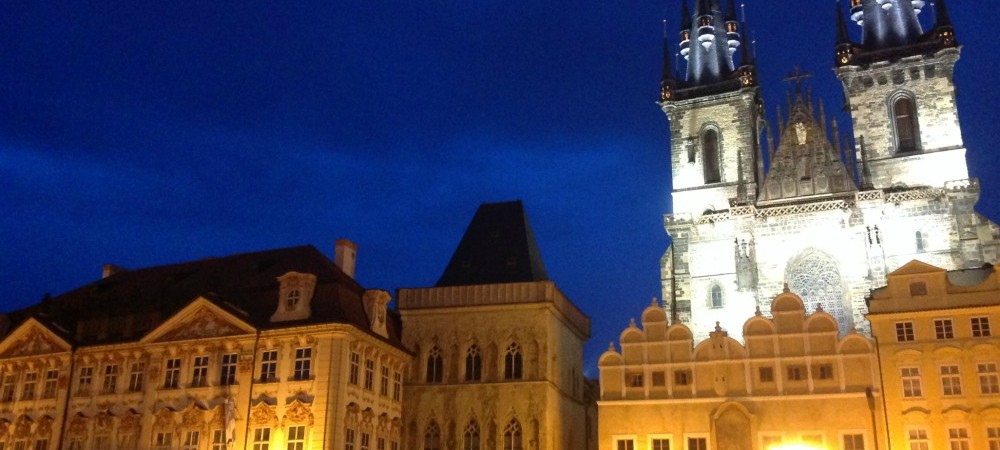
(512, 437)
(715, 296)
(473, 364)
(432, 437)
(435, 366)
(904, 115)
(513, 364)
(471, 437)
(710, 156)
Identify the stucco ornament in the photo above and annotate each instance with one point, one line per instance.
(204, 324)
(297, 413)
(35, 343)
(263, 414)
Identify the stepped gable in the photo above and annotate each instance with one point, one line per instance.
(498, 247)
(130, 303)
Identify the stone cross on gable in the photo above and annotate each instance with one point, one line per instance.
(797, 76)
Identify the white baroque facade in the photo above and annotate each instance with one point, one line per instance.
(828, 218)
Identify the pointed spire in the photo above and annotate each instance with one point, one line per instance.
(746, 57)
(941, 11)
(866, 174)
(835, 129)
(685, 16)
(781, 128)
(731, 11)
(822, 116)
(842, 35)
(667, 54)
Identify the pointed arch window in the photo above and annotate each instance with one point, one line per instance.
(512, 436)
(710, 156)
(473, 364)
(432, 437)
(435, 366)
(905, 124)
(471, 437)
(715, 296)
(513, 363)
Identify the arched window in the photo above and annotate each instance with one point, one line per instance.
(716, 296)
(435, 366)
(920, 241)
(512, 439)
(471, 437)
(293, 299)
(432, 437)
(512, 365)
(904, 114)
(710, 156)
(473, 364)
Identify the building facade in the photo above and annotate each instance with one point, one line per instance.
(828, 217)
(940, 357)
(498, 348)
(274, 349)
(793, 382)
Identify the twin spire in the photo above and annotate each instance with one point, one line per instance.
(709, 38)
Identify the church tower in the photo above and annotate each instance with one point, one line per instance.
(715, 117)
(898, 82)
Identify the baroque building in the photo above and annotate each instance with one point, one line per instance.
(498, 348)
(795, 380)
(939, 356)
(273, 349)
(757, 206)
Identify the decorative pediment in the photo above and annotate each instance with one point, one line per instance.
(164, 420)
(78, 426)
(44, 427)
(199, 320)
(916, 267)
(263, 414)
(30, 339)
(193, 417)
(104, 421)
(297, 413)
(22, 427)
(129, 421)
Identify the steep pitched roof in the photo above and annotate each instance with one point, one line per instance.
(135, 301)
(498, 247)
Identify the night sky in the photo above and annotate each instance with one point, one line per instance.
(145, 133)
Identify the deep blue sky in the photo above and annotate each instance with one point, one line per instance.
(143, 133)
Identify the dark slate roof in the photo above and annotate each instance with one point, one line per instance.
(498, 247)
(125, 306)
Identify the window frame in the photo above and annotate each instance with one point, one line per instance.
(905, 331)
(269, 366)
(913, 125)
(711, 156)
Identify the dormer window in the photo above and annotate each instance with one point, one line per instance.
(295, 293)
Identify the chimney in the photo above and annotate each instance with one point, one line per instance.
(345, 256)
(111, 269)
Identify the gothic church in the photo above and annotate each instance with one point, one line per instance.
(758, 205)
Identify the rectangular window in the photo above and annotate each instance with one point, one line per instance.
(766, 374)
(824, 372)
(369, 374)
(365, 441)
(989, 378)
(659, 379)
(21, 445)
(199, 372)
(682, 377)
(625, 444)
(951, 380)
(355, 368)
(102, 441)
(383, 387)
(297, 438)
(227, 376)
(190, 441)
(28, 388)
(136, 377)
(172, 375)
(349, 439)
(163, 441)
(394, 445)
(659, 444)
(795, 373)
(269, 366)
(918, 440)
(397, 385)
(110, 379)
(51, 384)
(86, 379)
(904, 332)
(943, 329)
(911, 382)
(854, 442)
(218, 440)
(992, 438)
(261, 438)
(303, 363)
(981, 327)
(42, 444)
(380, 444)
(958, 439)
(634, 379)
(697, 443)
(7, 393)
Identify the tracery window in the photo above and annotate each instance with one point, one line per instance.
(815, 277)
(435, 366)
(471, 437)
(432, 437)
(512, 438)
(513, 362)
(473, 364)
(904, 114)
(710, 153)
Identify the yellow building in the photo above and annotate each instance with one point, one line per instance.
(499, 348)
(939, 357)
(793, 382)
(279, 349)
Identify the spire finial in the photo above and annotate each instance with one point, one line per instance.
(798, 77)
(842, 35)
(941, 11)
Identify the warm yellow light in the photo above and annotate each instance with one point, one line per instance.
(795, 447)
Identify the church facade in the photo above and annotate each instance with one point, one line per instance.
(830, 214)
